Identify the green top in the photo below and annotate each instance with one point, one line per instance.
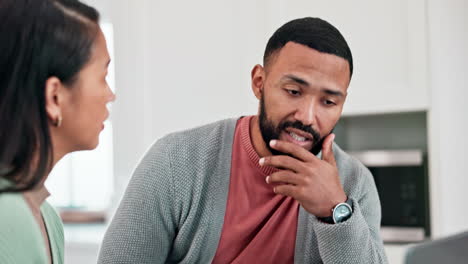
(21, 240)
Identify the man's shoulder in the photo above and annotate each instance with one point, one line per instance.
(207, 132)
(183, 158)
(350, 167)
(342, 158)
(197, 140)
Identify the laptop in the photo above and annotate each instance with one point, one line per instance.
(449, 250)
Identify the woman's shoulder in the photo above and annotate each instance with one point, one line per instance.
(18, 231)
(13, 208)
(49, 212)
(53, 221)
(55, 231)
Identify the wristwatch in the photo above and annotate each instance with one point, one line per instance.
(340, 213)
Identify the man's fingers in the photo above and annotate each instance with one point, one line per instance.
(287, 190)
(285, 177)
(327, 149)
(282, 162)
(293, 149)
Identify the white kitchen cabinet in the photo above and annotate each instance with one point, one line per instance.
(388, 40)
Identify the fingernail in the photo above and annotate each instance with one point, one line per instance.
(261, 161)
(273, 143)
(267, 179)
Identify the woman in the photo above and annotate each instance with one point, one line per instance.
(53, 97)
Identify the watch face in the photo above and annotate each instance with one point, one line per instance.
(341, 213)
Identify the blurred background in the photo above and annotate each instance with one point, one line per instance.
(180, 64)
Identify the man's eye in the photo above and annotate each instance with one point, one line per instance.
(328, 102)
(293, 92)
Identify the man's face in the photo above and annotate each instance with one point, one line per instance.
(301, 92)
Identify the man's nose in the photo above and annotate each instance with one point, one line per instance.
(306, 113)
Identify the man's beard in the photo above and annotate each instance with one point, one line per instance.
(270, 132)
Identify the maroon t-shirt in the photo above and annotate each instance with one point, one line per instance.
(259, 225)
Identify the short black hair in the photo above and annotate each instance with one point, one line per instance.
(38, 39)
(313, 32)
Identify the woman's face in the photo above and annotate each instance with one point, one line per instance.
(85, 102)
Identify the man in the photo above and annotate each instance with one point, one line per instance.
(271, 188)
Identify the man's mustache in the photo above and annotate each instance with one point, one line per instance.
(299, 125)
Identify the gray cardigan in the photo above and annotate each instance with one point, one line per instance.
(174, 206)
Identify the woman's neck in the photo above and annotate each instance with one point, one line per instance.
(36, 196)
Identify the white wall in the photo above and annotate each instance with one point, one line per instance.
(180, 64)
(388, 42)
(448, 116)
(183, 63)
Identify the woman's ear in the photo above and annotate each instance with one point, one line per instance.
(53, 99)
(258, 80)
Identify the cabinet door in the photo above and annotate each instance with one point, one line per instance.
(388, 42)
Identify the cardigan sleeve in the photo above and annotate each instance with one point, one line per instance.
(357, 240)
(144, 225)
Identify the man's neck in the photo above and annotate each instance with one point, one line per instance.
(257, 140)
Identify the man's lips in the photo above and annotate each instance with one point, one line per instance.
(300, 133)
(295, 139)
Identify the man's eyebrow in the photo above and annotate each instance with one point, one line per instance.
(333, 92)
(296, 79)
(305, 83)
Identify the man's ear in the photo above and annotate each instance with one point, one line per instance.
(53, 98)
(258, 80)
